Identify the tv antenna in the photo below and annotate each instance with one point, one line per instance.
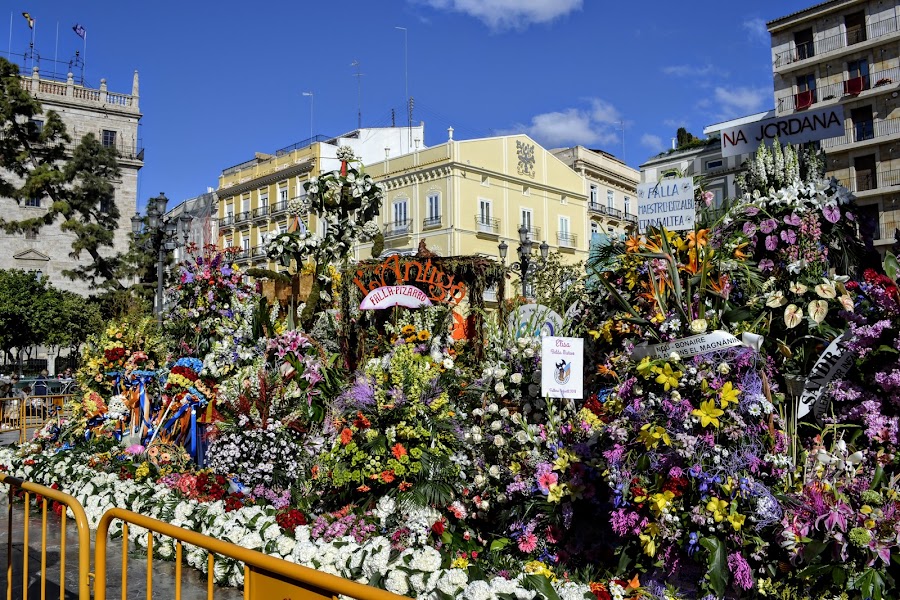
(358, 76)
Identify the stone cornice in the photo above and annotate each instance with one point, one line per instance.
(265, 180)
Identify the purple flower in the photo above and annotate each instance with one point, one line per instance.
(743, 575)
(751, 211)
(832, 213)
(792, 219)
(766, 265)
(788, 235)
(768, 226)
(771, 242)
(749, 229)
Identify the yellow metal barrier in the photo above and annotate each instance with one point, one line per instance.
(265, 577)
(83, 530)
(21, 415)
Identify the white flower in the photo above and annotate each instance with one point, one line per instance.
(798, 288)
(448, 363)
(723, 368)
(699, 325)
(427, 559)
(516, 378)
(499, 441)
(494, 471)
(478, 590)
(500, 388)
(496, 426)
(674, 357)
(776, 299)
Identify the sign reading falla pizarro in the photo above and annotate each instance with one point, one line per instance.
(807, 126)
(397, 271)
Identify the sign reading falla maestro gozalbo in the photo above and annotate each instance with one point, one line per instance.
(808, 126)
(397, 272)
(667, 203)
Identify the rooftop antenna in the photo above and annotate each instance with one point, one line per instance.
(406, 97)
(622, 123)
(358, 76)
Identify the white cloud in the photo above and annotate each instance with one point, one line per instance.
(653, 142)
(740, 101)
(509, 14)
(574, 126)
(675, 123)
(756, 30)
(689, 70)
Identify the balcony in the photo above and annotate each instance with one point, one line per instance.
(801, 52)
(882, 180)
(631, 218)
(259, 251)
(262, 212)
(534, 233)
(564, 239)
(851, 86)
(279, 207)
(227, 220)
(600, 209)
(862, 131)
(241, 255)
(431, 222)
(398, 228)
(487, 225)
(242, 216)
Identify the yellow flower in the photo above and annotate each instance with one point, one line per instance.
(564, 457)
(645, 367)
(557, 491)
(737, 521)
(537, 567)
(648, 544)
(651, 435)
(460, 563)
(659, 501)
(667, 376)
(717, 507)
(708, 413)
(727, 394)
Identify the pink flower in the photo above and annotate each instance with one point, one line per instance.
(545, 480)
(528, 542)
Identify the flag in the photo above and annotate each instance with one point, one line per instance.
(29, 19)
(79, 31)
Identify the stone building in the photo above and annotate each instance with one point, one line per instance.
(113, 118)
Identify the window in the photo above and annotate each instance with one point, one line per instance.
(108, 138)
(595, 228)
(863, 123)
(263, 198)
(229, 242)
(485, 223)
(33, 202)
(38, 125)
(106, 205)
(857, 76)
(594, 194)
(627, 205)
(283, 193)
(401, 215)
(714, 164)
(610, 199)
(525, 220)
(564, 225)
(856, 27)
(245, 244)
(806, 83)
(245, 204)
(803, 40)
(433, 209)
(282, 228)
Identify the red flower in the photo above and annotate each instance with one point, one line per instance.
(387, 476)
(290, 519)
(346, 436)
(361, 422)
(600, 592)
(398, 450)
(438, 527)
(405, 486)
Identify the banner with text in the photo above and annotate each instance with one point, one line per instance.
(668, 203)
(562, 367)
(394, 295)
(833, 364)
(808, 126)
(697, 344)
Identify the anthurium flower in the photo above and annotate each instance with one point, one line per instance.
(708, 413)
(847, 302)
(667, 377)
(776, 299)
(817, 310)
(793, 315)
(728, 394)
(798, 288)
(826, 290)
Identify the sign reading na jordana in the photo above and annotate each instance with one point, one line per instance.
(397, 272)
(806, 126)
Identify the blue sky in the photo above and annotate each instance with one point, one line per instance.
(220, 81)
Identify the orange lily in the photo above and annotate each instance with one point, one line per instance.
(739, 251)
(719, 284)
(633, 244)
(698, 239)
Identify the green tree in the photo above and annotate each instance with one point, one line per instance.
(34, 164)
(67, 318)
(21, 299)
(559, 284)
(684, 137)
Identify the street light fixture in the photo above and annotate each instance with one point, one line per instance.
(526, 266)
(162, 237)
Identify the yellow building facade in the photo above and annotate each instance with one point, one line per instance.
(465, 197)
(254, 195)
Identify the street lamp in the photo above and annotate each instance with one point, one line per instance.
(525, 266)
(162, 238)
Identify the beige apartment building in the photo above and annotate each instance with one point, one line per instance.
(847, 53)
(610, 185)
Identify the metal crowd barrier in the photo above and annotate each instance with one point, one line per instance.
(265, 577)
(21, 415)
(83, 530)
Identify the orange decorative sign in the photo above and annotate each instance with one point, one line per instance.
(392, 272)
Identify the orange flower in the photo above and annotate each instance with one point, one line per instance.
(739, 251)
(315, 472)
(698, 239)
(363, 488)
(606, 371)
(387, 476)
(405, 486)
(398, 450)
(346, 435)
(633, 244)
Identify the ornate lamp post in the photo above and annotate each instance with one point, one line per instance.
(526, 267)
(162, 238)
